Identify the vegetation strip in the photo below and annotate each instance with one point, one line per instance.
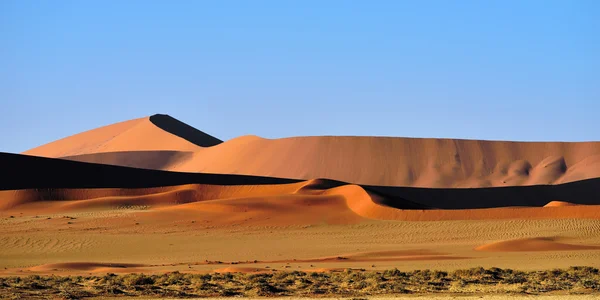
(306, 284)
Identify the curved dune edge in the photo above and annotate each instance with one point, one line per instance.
(533, 244)
(364, 160)
(226, 158)
(560, 204)
(154, 133)
(396, 161)
(308, 202)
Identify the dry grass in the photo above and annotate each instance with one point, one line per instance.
(349, 283)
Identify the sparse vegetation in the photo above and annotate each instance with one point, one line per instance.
(349, 283)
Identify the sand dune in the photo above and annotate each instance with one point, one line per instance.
(383, 161)
(403, 161)
(155, 133)
(559, 204)
(533, 244)
(165, 196)
(310, 202)
(34, 179)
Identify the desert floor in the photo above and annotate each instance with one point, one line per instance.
(136, 240)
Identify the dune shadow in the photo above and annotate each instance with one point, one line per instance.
(184, 131)
(578, 192)
(31, 172)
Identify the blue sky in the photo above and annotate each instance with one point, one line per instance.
(502, 70)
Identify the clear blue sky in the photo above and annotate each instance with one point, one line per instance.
(508, 70)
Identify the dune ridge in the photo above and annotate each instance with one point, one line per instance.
(164, 196)
(412, 162)
(24, 172)
(309, 202)
(559, 204)
(154, 133)
(381, 161)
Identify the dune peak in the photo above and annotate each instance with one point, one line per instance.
(155, 133)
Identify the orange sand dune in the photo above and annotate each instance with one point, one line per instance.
(559, 204)
(387, 161)
(532, 244)
(298, 203)
(156, 133)
(114, 196)
(402, 161)
(110, 198)
(309, 202)
(30, 179)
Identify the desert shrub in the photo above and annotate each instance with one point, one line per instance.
(514, 278)
(340, 284)
(132, 280)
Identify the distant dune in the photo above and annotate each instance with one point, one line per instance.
(45, 185)
(155, 133)
(441, 163)
(382, 161)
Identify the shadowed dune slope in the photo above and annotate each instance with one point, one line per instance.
(381, 161)
(31, 172)
(155, 133)
(263, 205)
(578, 192)
(309, 202)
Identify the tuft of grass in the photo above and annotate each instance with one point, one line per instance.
(348, 283)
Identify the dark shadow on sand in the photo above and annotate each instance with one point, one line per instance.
(31, 172)
(184, 131)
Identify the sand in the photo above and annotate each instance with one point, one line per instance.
(155, 133)
(307, 226)
(139, 239)
(385, 161)
(387, 203)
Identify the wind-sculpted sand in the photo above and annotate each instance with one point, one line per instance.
(382, 161)
(108, 201)
(315, 225)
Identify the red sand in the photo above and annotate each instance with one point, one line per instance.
(229, 206)
(387, 161)
(299, 203)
